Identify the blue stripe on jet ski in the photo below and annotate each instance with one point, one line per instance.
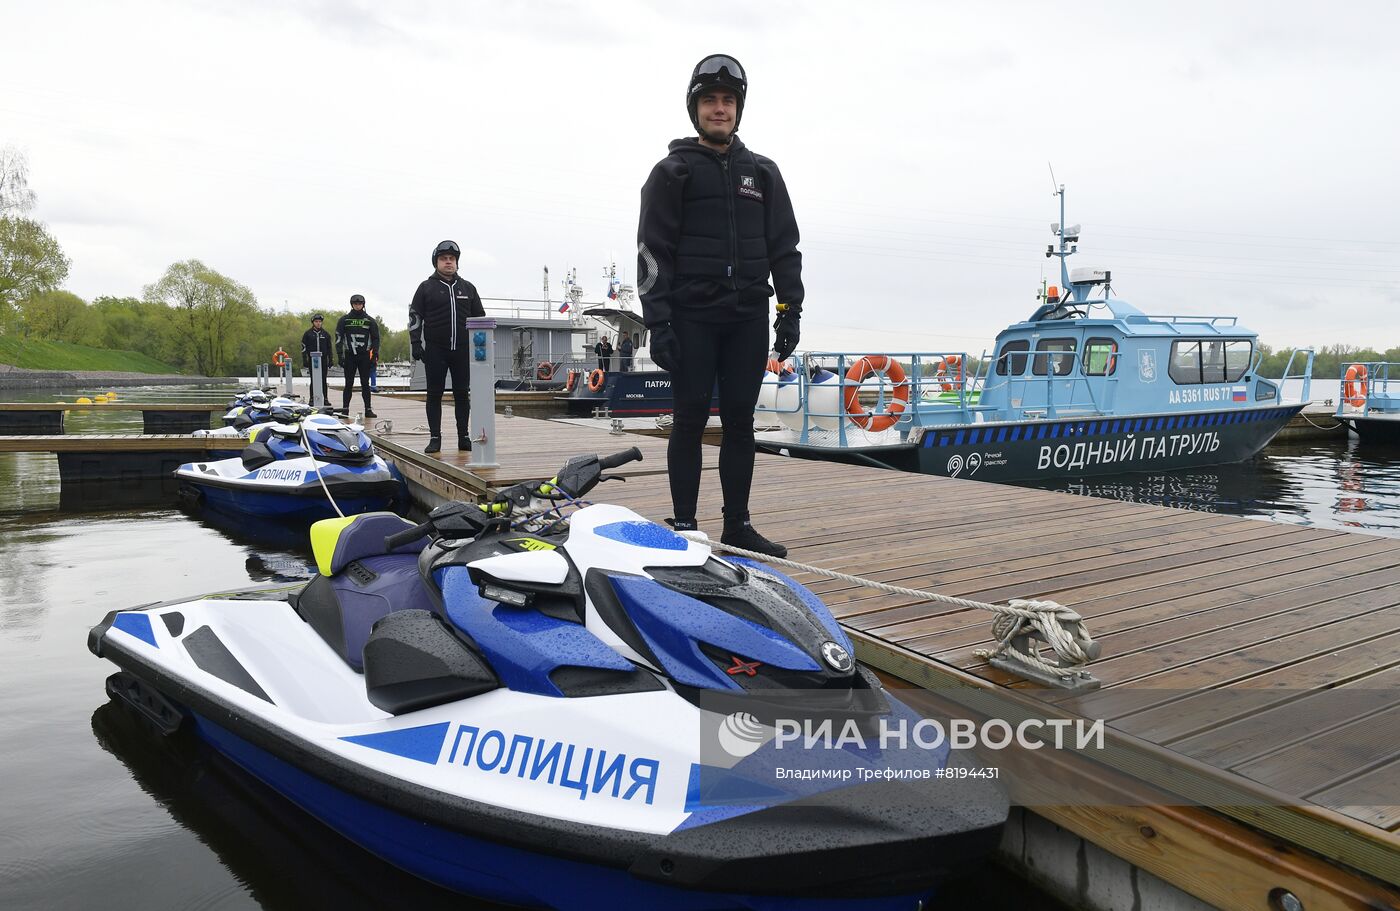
(673, 624)
(138, 625)
(524, 646)
(421, 743)
(642, 534)
(493, 870)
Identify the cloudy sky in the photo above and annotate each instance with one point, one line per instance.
(1224, 158)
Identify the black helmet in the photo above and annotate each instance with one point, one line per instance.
(360, 298)
(447, 246)
(717, 69)
(318, 317)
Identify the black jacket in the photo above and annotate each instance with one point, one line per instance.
(316, 340)
(439, 312)
(713, 229)
(356, 334)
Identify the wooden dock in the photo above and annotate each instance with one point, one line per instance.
(29, 418)
(1248, 666)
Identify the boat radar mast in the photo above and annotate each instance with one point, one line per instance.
(1079, 283)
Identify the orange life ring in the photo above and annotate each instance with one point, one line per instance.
(1355, 391)
(955, 372)
(571, 381)
(885, 366)
(596, 379)
(545, 371)
(281, 358)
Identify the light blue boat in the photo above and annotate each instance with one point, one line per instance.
(1086, 385)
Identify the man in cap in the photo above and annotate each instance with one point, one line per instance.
(356, 347)
(317, 339)
(437, 329)
(716, 224)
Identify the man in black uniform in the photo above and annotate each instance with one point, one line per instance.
(317, 339)
(356, 345)
(437, 328)
(716, 222)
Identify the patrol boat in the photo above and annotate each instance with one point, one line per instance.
(1084, 386)
(296, 467)
(554, 704)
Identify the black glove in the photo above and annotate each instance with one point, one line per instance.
(340, 355)
(417, 351)
(665, 347)
(786, 332)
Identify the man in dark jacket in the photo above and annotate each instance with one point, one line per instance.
(624, 353)
(716, 222)
(356, 347)
(437, 329)
(317, 339)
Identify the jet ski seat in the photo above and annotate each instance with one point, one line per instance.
(359, 582)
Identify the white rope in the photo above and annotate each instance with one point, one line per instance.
(316, 466)
(1044, 617)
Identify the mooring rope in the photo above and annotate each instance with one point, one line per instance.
(1073, 647)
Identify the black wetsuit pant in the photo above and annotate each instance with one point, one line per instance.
(356, 364)
(732, 355)
(437, 363)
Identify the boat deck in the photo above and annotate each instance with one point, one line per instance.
(1248, 665)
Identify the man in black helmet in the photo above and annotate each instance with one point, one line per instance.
(716, 224)
(437, 329)
(318, 339)
(356, 346)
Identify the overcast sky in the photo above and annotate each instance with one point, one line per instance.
(1236, 158)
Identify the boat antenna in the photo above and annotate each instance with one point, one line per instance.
(1053, 183)
(1068, 236)
(546, 289)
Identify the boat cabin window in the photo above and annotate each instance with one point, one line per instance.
(1100, 357)
(1061, 363)
(1210, 360)
(1010, 362)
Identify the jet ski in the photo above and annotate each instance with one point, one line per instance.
(552, 703)
(255, 407)
(296, 466)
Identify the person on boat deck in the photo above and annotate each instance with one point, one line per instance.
(624, 352)
(604, 350)
(318, 339)
(437, 331)
(356, 345)
(716, 222)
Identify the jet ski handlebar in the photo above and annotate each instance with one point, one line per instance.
(460, 521)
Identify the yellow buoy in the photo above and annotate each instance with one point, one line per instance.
(99, 398)
(111, 396)
(84, 400)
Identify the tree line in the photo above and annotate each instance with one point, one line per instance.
(192, 317)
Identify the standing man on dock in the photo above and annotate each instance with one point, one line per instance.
(437, 329)
(356, 342)
(716, 222)
(317, 339)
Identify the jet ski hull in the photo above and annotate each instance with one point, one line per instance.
(825, 851)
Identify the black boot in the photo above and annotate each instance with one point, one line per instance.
(464, 443)
(738, 532)
(370, 414)
(683, 524)
(434, 445)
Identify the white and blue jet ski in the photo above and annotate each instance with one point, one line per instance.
(296, 466)
(562, 705)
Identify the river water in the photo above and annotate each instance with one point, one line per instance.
(99, 813)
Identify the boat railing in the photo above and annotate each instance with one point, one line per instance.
(1305, 377)
(927, 376)
(1194, 318)
(1364, 386)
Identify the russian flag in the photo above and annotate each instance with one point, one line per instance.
(564, 307)
(612, 291)
(1239, 394)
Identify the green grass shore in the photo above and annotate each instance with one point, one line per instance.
(33, 354)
